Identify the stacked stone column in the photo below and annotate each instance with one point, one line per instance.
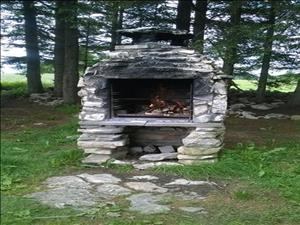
(201, 145)
(101, 143)
(209, 108)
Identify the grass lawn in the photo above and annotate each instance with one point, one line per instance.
(259, 168)
(261, 175)
(248, 85)
(13, 85)
(47, 78)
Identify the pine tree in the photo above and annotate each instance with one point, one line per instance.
(70, 78)
(59, 49)
(199, 24)
(262, 83)
(34, 83)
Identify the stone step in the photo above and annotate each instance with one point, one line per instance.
(102, 144)
(194, 151)
(159, 157)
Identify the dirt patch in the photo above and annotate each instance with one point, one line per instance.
(21, 113)
(283, 109)
(261, 131)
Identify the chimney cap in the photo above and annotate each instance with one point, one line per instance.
(153, 34)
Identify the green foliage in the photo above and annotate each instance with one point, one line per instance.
(15, 89)
(276, 82)
(47, 68)
(36, 154)
(272, 168)
(15, 85)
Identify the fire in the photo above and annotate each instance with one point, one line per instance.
(160, 105)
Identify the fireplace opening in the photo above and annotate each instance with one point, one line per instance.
(156, 98)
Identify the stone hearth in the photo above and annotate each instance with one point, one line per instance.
(197, 138)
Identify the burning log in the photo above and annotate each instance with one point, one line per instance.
(159, 106)
(157, 103)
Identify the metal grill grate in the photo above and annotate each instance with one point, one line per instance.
(157, 98)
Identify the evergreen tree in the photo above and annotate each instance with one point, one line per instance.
(232, 37)
(34, 84)
(199, 24)
(183, 18)
(70, 77)
(59, 49)
(262, 83)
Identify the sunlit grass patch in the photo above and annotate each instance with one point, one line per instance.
(248, 85)
(47, 78)
(14, 85)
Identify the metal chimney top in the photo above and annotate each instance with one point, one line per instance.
(155, 34)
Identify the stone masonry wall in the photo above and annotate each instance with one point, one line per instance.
(204, 140)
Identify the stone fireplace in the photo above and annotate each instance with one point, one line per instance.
(153, 95)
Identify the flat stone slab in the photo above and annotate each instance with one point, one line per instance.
(166, 149)
(146, 187)
(120, 162)
(87, 191)
(104, 178)
(144, 166)
(263, 106)
(276, 116)
(66, 197)
(192, 209)
(66, 191)
(159, 157)
(189, 182)
(149, 149)
(196, 151)
(66, 182)
(96, 159)
(147, 203)
(144, 177)
(109, 191)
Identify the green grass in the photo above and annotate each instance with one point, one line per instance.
(273, 168)
(257, 175)
(14, 85)
(248, 85)
(47, 78)
(31, 155)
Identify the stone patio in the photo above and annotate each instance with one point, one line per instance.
(145, 194)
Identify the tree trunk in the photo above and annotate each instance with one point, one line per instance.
(34, 83)
(70, 78)
(120, 24)
(114, 25)
(59, 51)
(86, 49)
(262, 83)
(232, 37)
(295, 99)
(199, 24)
(183, 18)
